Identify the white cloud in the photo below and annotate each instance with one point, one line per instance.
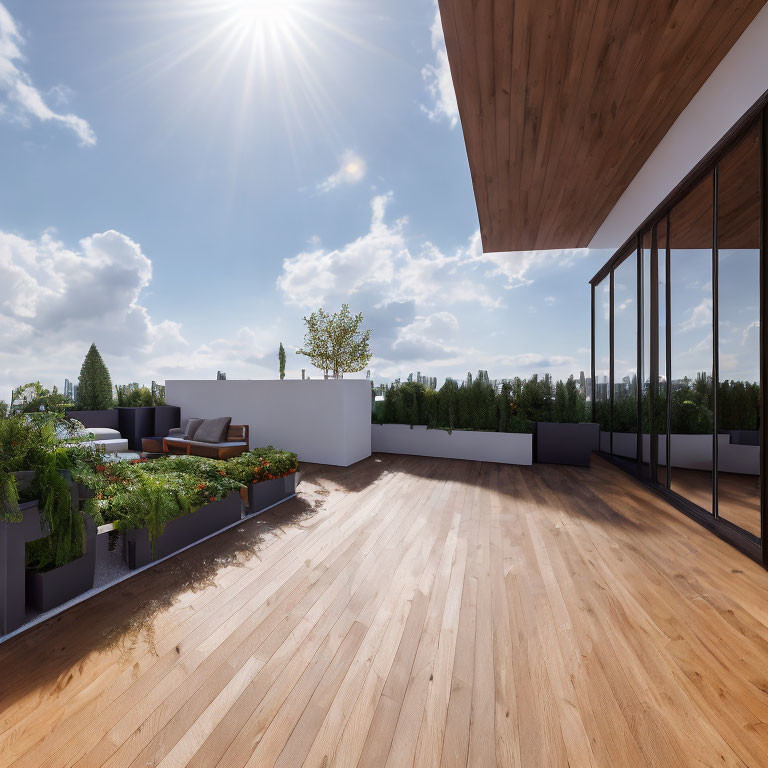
(22, 98)
(55, 301)
(352, 170)
(550, 301)
(516, 267)
(383, 267)
(701, 316)
(439, 81)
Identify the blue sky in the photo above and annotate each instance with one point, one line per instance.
(182, 181)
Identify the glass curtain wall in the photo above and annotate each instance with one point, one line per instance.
(647, 306)
(661, 321)
(738, 326)
(602, 372)
(625, 358)
(691, 412)
(677, 349)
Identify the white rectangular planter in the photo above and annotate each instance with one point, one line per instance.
(323, 421)
(501, 447)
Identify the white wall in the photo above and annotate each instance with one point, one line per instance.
(735, 85)
(501, 447)
(328, 422)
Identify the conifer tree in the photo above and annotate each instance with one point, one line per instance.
(94, 385)
(281, 359)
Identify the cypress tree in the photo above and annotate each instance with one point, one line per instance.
(281, 359)
(94, 391)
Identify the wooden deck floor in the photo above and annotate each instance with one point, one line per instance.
(407, 612)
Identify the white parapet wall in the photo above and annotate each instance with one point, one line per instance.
(323, 421)
(501, 447)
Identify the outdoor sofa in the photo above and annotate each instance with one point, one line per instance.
(211, 438)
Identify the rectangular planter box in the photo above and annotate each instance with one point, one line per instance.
(13, 538)
(136, 423)
(501, 447)
(269, 492)
(566, 443)
(167, 417)
(89, 419)
(52, 588)
(181, 532)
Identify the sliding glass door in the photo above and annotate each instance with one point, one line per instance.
(677, 347)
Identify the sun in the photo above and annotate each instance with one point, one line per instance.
(266, 13)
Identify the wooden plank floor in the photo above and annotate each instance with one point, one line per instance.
(413, 612)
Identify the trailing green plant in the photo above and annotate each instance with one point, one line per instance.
(143, 494)
(94, 385)
(59, 511)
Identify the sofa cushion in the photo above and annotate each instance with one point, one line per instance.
(104, 433)
(191, 427)
(213, 430)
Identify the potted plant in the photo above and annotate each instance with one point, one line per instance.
(269, 474)
(165, 505)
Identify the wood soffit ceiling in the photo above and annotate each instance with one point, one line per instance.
(562, 103)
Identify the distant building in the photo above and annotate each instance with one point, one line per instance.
(221, 376)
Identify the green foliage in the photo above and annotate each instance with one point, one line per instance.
(336, 343)
(281, 360)
(481, 404)
(35, 398)
(37, 443)
(94, 385)
(144, 494)
(262, 464)
(65, 521)
(136, 396)
(3, 409)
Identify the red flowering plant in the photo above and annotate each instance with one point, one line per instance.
(262, 464)
(138, 494)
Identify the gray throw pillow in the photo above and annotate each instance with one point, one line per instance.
(192, 426)
(213, 430)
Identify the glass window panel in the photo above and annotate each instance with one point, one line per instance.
(644, 378)
(660, 409)
(625, 358)
(691, 440)
(738, 394)
(601, 385)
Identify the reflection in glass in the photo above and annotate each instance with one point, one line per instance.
(660, 403)
(738, 394)
(625, 358)
(644, 377)
(601, 385)
(691, 441)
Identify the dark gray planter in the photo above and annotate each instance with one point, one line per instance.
(49, 589)
(181, 532)
(743, 436)
(135, 424)
(265, 494)
(167, 417)
(13, 539)
(566, 443)
(90, 419)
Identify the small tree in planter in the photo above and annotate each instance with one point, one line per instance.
(336, 343)
(94, 385)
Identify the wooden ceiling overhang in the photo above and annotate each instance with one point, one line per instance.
(562, 103)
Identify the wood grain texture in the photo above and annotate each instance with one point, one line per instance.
(413, 612)
(562, 103)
